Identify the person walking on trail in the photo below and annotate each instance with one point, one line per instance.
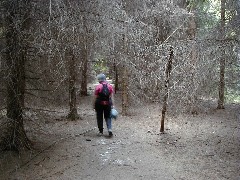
(103, 103)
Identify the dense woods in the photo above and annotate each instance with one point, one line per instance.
(52, 49)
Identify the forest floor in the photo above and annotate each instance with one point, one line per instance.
(200, 147)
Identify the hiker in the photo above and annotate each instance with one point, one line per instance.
(103, 103)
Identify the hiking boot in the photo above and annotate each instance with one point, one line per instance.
(100, 134)
(110, 133)
(100, 131)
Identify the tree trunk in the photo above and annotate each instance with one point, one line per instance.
(222, 60)
(125, 91)
(116, 77)
(85, 48)
(83, 91)
(166, 89)
(193, 94)
(125, 80)
(193, 61)
(73, 115)
(16, 138)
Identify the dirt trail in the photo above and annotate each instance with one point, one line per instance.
(194, 147)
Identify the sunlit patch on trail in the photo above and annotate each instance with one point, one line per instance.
(106, 156)
(111, 149)
(102, 141)
(121, 162)
(118, 162)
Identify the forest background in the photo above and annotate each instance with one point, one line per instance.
(176, 54)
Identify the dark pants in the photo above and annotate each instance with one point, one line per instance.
(100, 111)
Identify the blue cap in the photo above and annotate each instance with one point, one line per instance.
(101, 77)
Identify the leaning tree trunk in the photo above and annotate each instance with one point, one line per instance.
(73, 115)
(125, 91)
(222, 60)
(166, 89)
(16, 138)
(125, 80)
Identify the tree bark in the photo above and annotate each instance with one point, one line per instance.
(166, 89)
(222, 60)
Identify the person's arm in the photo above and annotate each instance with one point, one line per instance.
(94, 101)
(95, 97)
(112, 97)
